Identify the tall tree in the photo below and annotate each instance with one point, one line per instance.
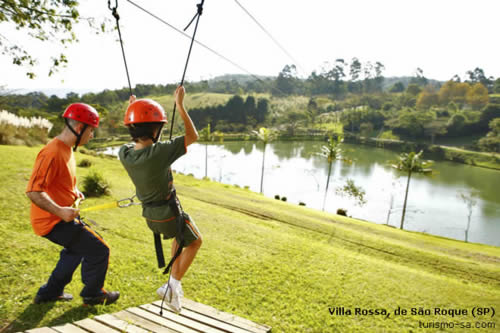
(355, 73)
(332, 152)
(286, 81)
(265, 135)
(411, 162)
(206, 136)
(419, 78)
(470, 200)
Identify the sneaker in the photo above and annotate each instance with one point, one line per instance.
(107, 298)
(63, 297)
(173, 296)
(162, 290)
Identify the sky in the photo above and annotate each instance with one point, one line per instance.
(442, 37)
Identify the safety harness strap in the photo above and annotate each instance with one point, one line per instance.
(176, 208)
(159, 250)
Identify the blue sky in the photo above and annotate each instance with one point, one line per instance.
(442, 37)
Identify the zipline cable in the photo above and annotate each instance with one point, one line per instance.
(269, 35)
(114, 12)
(202, 45)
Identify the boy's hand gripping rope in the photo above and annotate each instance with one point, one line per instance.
(199, 11)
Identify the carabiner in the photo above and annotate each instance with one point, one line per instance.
(127, 202)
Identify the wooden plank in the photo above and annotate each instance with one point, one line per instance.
(123, 326)
(181, 320)
(224, 316)
(94, 326)
(221, 325)
(160, 320)
(141, 322)
(68, 328)
(41, 330)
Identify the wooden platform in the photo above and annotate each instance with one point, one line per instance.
(194, 317)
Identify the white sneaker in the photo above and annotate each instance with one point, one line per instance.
(173, 296)
(161, 291)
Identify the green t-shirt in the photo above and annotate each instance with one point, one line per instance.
(149, 169)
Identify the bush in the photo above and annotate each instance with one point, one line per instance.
(94, 185)
(85, 163)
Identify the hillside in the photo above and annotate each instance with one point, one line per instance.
(283, 265)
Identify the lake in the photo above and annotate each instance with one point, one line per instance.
(295, 170)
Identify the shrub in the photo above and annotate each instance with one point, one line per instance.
(94, 184)
(342, 212)
(85, 163)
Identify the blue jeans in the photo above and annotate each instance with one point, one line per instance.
(81, 245)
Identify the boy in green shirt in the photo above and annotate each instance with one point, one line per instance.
(148, 163)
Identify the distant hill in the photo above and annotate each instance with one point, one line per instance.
(405, 80)
(240, 78)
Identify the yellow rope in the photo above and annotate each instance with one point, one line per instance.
(99, 207)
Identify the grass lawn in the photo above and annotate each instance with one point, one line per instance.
(273, 262)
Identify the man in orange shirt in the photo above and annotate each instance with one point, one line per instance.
(52, 191)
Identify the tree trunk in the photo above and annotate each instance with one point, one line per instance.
(327, 183)
(468, 227)
(262, 173)
(406, 198)
(206, 160)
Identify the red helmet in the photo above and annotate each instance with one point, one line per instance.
(83, 113)
(144, 111)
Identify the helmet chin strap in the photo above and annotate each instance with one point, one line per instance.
(155, 139)
(78, 135)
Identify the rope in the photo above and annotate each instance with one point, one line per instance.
(269, 35)
(206, 47)
(114, 12)
(197, 17)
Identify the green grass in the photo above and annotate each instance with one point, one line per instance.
(269, 261)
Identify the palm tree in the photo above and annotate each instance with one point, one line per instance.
(411, 162)
(206, 136)
(265, 135)
(332, 152)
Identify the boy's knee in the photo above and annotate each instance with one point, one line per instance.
(197, 243)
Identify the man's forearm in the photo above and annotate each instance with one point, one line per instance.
(42, 200)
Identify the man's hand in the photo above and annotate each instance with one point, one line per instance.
(80, 195)
(68, 214)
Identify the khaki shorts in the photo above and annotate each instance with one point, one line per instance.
(169, 229)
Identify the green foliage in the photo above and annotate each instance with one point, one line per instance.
(95, 185)
(413, 162)
(47, 21)
(388, 135)
(85, 163)
(491, 142)
(352, 191)
(413, 89)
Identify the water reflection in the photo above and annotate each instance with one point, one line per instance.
(295, 170)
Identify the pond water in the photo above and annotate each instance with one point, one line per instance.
(295, 170)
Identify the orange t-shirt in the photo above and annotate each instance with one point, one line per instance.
(55, 174)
